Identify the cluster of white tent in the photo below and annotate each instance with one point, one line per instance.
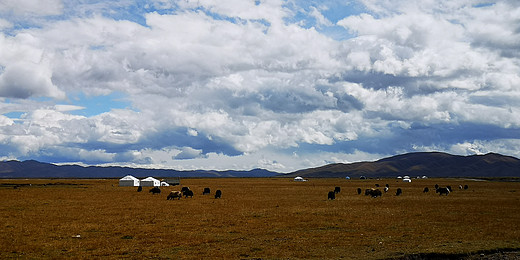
(130, 181)
(299, 179)
(408, 179)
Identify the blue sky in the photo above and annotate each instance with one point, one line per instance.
(280, 85)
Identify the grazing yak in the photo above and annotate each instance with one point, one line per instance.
(386, 189)
(184, 190)
(218, 194)
(140, 188)
(331, 195)
(466, 187)
(206, 191)
(398, 192)
(155, 190)
(174, 194)
(443, 190)
(358, 191)
(374, 193)
(426, 189)
(449, 187)
(188, 193)
(337, 189)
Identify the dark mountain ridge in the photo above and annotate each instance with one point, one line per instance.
(35, 169)
(430, 164)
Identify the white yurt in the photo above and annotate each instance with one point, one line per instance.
(163, 183)
(128, 181)
(407, 180)
(150, 182)
(299, 179)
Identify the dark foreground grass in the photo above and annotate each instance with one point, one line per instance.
(267, 218)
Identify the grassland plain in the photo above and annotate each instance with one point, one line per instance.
(268, 218)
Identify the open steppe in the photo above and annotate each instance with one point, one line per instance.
(268, 218)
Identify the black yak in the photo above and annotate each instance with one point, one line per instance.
(188, 193)
(358, 191)
(398, 192)
(374, 193)
(206, 191)
(331, 195)
(184, 190)
(155, 190)
(140, 188)
(218, 194)
(443, 190)
(426, 189)
(337, 189)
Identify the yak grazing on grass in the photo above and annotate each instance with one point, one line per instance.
(174, 194)
(188, 193)
(426, 189)
(337, 189)
(443, 190)
(331, 195)
(218, 194)
(206, 191)
(358, 191)
(398, 192)
(374, 193)
(155, 190)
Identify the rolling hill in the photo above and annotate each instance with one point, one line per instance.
(430, 164)
(35, 169)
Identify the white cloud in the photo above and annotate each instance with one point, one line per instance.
(31, 7)
(25, 79)
(188, 153)
(236, 84)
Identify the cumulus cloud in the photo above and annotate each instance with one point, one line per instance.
(24, 80)
(188, 153)
(29, 7)
(248, 84)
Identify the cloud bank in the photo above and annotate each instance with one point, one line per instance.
(273, 84)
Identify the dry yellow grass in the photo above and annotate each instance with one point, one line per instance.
(268, 218)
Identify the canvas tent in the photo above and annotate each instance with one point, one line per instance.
(128, 181)
(164, 184)
(299, 179)
(150, 182)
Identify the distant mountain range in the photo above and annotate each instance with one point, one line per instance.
(35, 169)
(430, 164)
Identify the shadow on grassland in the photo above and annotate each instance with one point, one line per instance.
(501, 253)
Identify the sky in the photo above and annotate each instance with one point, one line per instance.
(272, 84)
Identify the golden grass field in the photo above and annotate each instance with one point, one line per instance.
(268, 218)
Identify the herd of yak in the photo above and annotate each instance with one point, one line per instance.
(184, 192)
(373, 192)
(376, 192)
